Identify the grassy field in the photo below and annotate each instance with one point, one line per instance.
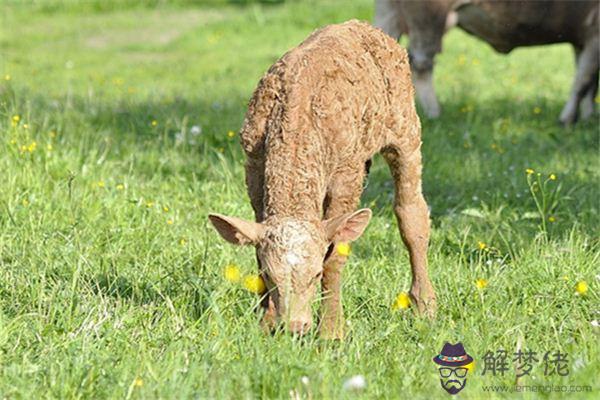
(118, 134)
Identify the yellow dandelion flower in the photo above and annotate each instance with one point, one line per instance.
(552, 177)
(25, 202)
(13, 141)
(254, 284)
(581, 288)
(149, 204)
(529, 171)
(16, 118)
(120, 186)
(537, 110)
(230, 134)
(154, 122)
(481, 245)
(551, 218)
(165, 209)
(471, 366)
(481, 283)
(343, 249)
(232, 273)
(402, 302)
(565, 278)
(100, 184)
(23, 148)
(170, 222)
(182, 242)
(138, 382)
(7, 77)
(32, 146)
(49, 147)
(26, 126)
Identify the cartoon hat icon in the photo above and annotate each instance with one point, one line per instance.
(453, 355)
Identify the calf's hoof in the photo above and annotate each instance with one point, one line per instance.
(331, 331)
(424, 301)
(268, 321)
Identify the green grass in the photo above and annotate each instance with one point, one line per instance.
(98, 289)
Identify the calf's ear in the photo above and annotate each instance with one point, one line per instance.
(348, 227)
(236, 230)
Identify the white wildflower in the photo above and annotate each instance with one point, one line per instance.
(196, 130)
(355, 383)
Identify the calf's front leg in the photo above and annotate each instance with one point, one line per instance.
(343, 198)
(331, 325)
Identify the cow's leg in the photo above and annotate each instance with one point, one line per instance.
(343, 198)
(587, 73)
(423, 81)
(389, 18)
(413, 218)
(421, 57)
(588, 103)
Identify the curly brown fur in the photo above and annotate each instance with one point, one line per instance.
(315, 120)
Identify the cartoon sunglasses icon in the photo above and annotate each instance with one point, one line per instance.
(459, 372)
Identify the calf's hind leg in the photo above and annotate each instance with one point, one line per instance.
(413, 220)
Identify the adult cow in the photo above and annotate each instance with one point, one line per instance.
(504, 25)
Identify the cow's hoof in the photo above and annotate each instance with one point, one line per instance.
(566, 124)
(567, 119)
(433, 112)
(587, 109)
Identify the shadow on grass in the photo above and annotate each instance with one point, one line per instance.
(470, 157)
(498, 141)
(144, 292)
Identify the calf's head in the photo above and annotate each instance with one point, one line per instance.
(291, 253)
